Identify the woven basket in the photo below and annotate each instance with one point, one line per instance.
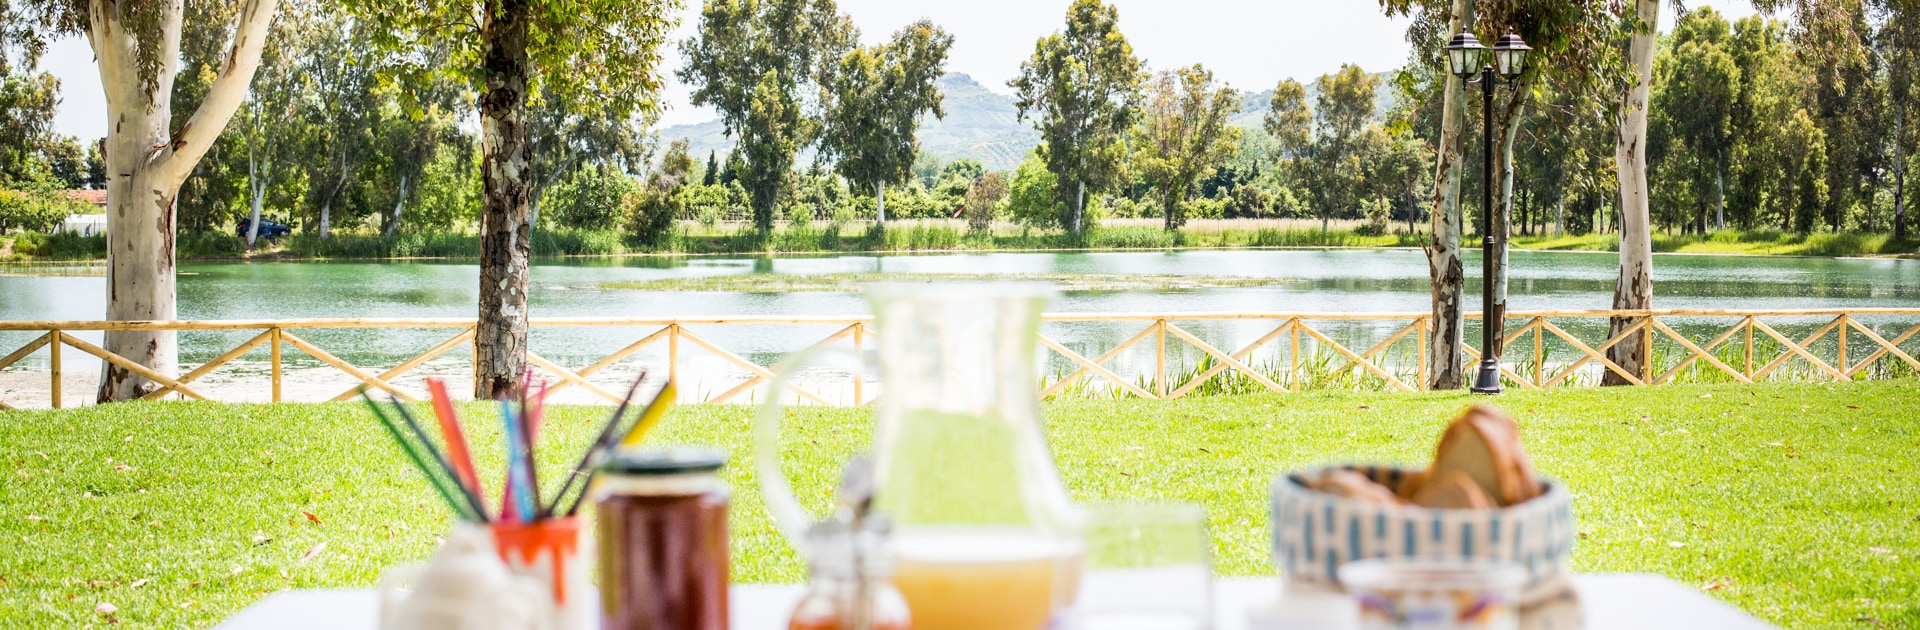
(1314, 532)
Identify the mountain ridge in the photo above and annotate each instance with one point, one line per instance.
(980, 124)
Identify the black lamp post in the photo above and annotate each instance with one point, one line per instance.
(1464, 59)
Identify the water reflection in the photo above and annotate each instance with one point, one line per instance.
(1320, 280)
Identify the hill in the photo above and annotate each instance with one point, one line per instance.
(982, 124)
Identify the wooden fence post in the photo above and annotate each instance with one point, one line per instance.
(275, 350)
(1160, 360)
(53, 362)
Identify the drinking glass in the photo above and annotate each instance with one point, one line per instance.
(1148, 567)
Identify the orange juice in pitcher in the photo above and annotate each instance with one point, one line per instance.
(985, 536)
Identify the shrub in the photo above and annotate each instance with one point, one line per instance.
(983, 201)
(592, 197)
(1030, 198)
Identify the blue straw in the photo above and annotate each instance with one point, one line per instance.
(516, 465)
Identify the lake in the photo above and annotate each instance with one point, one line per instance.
(1302, 280)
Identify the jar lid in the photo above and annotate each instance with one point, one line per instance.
(669, 461)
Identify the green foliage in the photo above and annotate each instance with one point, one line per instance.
(1183, 134)
(983, 201)
(591, 198)
(36, 209)
(1031, 198)
(752, 61)
(651, 211)
(876, 97)
(1081, 86)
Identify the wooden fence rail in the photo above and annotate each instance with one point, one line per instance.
(1745, 350)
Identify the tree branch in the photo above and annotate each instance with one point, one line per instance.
(229, 90)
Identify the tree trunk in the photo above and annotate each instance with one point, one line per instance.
(1900, 170)
(1560, 214)
(1635, 288)
(1719, 196)
(500, 342)
(146, 165)
(393, 224)
(256, 184)
(880, 203)
(1079, 206)
(1503, 205)
(326, 208)
(1443, 250)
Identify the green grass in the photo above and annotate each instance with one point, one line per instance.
(1797, 497)
(1754, 243)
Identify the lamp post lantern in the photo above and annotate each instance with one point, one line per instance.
(1465, 59)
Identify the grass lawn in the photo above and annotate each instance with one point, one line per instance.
(1792, 501)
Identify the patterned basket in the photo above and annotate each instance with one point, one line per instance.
(1314, 533)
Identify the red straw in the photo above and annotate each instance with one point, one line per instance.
(456, 440)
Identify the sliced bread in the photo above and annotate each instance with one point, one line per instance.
(1484, 445)
(1453, 490)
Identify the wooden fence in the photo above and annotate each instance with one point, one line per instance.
(1746, 349)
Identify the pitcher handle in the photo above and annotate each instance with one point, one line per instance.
(788, 514)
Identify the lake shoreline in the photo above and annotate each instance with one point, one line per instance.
(279, 257)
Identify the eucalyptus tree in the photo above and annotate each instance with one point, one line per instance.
(1183, 134)
(1898, 41)
(136, 46)
(602, 55)
(1634, 290)
(762, 64)
(344, 111)
(563, 135)
(875, 99)
(1081, 88)
(1346, 141)
(1435, 21)
(1697, 85)
(268, 124)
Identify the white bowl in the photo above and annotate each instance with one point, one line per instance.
(1314, 533)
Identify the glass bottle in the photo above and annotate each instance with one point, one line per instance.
(851, 587)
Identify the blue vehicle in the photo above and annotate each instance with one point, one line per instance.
(269, 229)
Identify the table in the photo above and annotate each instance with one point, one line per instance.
(1618, 601)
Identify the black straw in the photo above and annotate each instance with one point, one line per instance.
(446, 466)
(594, 450)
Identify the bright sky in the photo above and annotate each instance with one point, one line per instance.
(1250, 43)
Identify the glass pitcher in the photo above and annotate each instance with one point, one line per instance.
(984, 533)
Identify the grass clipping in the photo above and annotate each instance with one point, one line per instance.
(847, 282)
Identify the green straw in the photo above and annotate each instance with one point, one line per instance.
(414, 455)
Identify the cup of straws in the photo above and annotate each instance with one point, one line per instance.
(522, 565)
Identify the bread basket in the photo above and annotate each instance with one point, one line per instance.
(1314, 533)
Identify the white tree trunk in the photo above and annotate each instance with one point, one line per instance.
(1560, 216)
(257, 184)
(1444, 266)
(880, 202)
(1635, 288)
(1719, 197)
(393, 225)
(146, 164)
(1079, 206)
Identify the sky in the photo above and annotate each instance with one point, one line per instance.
(1251, 44)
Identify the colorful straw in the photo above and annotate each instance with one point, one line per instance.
(597, 448)
(414, 455)
(478, 513)
(456, 441)
(453, 475)
(649, 418)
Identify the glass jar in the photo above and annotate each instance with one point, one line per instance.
(661, 529)
(852, 587)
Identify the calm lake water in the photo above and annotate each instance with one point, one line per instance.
(1306, 280)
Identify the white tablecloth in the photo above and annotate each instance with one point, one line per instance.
(1608, 602)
